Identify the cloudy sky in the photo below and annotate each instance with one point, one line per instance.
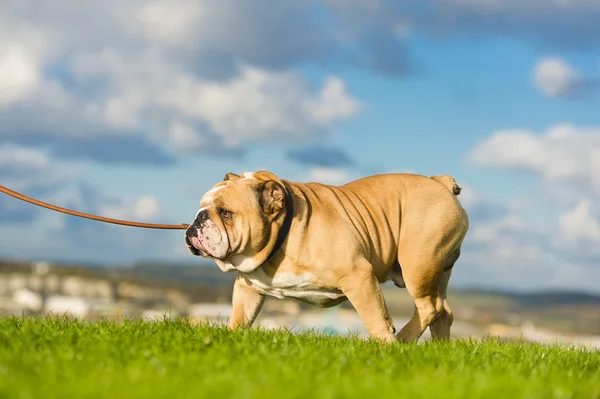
(133, 109)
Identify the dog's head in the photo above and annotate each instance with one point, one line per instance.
(239, 221)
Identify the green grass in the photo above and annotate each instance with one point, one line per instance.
(57, 358)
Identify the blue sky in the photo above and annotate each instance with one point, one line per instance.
(133, 109)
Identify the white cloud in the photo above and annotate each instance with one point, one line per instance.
(147, 208)
(144, 208)
(22, 168)
(22, 157)
(184, 138)
(128, 62)
(148, 90)
(137, 69)
(536, 241)
(333, 176)
(512, 250)
(488, 232)
(515, 251)
(402, 29)
(580, 223)
(88, 199)
(170, 21)
(19, 74)
(256, 105)
(332, 104)
(555, 78)
(269, 105)
(562, 153)
(519, 149)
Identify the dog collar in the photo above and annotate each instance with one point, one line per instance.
(287, 222)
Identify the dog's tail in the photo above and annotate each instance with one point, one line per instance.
(448, 182)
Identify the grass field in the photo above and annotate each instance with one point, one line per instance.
(57, 358)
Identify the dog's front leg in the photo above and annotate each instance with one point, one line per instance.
(364, 293)
(246, 302)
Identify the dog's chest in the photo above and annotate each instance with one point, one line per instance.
(303, 287)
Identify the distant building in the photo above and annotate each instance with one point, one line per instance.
(70, 306)
(27, 299)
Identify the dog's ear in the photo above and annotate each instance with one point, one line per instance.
(264, 175)
(231, 176)
(271, 197)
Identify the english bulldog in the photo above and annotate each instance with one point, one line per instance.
(324, 244)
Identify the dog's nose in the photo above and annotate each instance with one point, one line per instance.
(191, 232)
(202, 215)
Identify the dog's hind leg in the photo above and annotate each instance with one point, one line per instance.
(422, 269)
(440, 328)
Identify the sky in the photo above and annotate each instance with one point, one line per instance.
(133, 109)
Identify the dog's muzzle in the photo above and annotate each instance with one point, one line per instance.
(191, 233)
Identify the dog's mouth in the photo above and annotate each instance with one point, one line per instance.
(196, 248)
(207, 241)
(193, 249)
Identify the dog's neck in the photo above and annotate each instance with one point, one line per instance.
(287, 222)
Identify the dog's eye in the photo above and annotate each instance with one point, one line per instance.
(225, 213)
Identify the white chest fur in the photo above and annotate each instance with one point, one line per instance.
(303, 287)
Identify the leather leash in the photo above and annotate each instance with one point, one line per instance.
(25, 198)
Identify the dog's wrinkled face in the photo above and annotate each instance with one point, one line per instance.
(237, 220)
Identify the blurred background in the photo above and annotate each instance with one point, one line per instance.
(133, 109)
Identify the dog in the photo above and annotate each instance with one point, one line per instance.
(324, 244)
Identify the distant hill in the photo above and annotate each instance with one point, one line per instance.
(206, 273)
(541, 298)
(203, 272)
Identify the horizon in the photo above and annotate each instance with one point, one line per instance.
(209, 265)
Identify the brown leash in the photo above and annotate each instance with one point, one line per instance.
(93, 217)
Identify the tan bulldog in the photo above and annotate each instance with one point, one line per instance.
(323, 244)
